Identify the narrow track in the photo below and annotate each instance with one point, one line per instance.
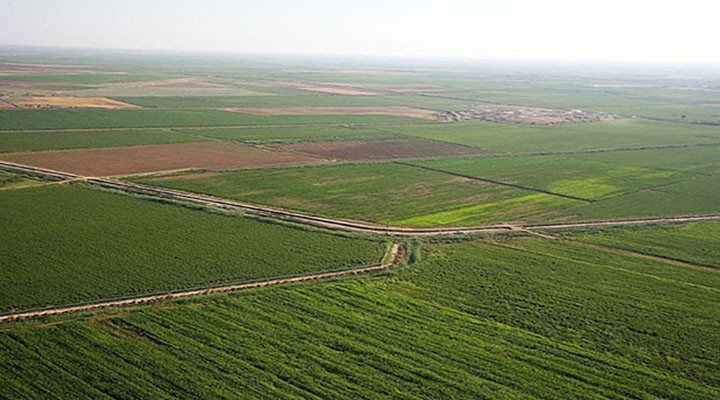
(338, 224)
(396, 255)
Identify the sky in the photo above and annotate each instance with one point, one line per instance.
(578, 30)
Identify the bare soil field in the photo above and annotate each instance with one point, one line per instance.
(144, 159)
(71, 102)
(381, 149)
(526, 115)
(398, 111)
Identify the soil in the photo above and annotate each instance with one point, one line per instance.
(155, 158)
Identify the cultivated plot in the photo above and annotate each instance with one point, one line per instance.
(626, 133)
(64, 244)
(152, 158)
(353, 150)
(385, 193)
(38, 141)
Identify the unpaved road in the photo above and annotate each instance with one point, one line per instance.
(396, 256)
(339, 224)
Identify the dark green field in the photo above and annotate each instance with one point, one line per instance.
(65, 244)
(37, 141)
(465, 322)
(693, 243)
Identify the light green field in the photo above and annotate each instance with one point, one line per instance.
(574, 176)
(292, 134)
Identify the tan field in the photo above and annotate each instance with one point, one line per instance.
(71, 102)
(399, 111)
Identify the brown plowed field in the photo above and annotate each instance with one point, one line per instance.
(398, 111)
(72, 102)
(380, 149)
(143, 159)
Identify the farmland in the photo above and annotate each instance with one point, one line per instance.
(694, 243)
(440, 329)
(37, 141)
(380, 149)
(457, 167)
(151, 158)
(566, 138)
(97, 244)
(384, 193)
(142, 118)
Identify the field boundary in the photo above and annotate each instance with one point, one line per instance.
(395, 256)
(495, 182)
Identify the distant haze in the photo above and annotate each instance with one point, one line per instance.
(611, 30)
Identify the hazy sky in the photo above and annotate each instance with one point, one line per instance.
(613, 30)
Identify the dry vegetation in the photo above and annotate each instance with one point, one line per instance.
(398, 111)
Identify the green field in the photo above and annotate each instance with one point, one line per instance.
(63, 244)
(574, 176)
(37, 141)
(698, 195)
(566, 138)
(292, 134)
(142, 118)
(383, 192)
(693, 242)
(473, 320)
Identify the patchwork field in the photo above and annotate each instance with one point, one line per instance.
(97, 245)
(622, 312)
(385, 193)
(351, 150)
(574, 176)
(151, 158)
